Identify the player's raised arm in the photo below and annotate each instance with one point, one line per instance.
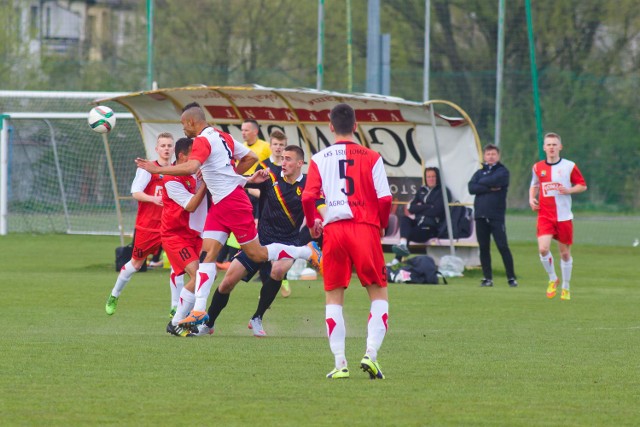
(187, 168)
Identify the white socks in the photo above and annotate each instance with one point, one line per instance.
(547, 263)
(336, 332)
(376, 330)
(403, 241)
(176, 283)
(566, 267)
(204, 280)
(377, 327)
(185, 304)
(278, 251)
(123, 278)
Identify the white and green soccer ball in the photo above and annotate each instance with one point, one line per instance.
(102, 119)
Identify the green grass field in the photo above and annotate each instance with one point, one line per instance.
(454, 355)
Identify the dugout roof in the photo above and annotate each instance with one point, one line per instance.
(401, 131)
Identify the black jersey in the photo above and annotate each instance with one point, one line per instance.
(281, 213)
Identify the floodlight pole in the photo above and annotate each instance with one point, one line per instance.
(534, 78)
(150, 44)
(349, 50)
(114, 187)
(427, 51)
(499, 72)
(320, 72)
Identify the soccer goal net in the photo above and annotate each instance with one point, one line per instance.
(55, 169)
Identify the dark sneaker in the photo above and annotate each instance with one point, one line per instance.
(513, 283)
(486, 283)
(179, 331)
(401, 250)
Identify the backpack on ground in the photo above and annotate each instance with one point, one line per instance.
(420, 269)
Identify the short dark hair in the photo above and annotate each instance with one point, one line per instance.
(253, 122)
(342, 118)
(299, 151)
(190, 106)
(194, 110)
(489, 147)
(183, 145)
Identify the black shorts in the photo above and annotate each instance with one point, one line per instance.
(253, 267)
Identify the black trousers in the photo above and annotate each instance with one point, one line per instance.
(496, 227)
(410, 231)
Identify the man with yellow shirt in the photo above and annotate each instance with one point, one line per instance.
(250, 130)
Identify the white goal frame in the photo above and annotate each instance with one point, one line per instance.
(5, 119)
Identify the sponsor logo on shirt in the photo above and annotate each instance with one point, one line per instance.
(550, 189)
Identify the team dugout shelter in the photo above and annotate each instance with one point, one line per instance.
(402, 131)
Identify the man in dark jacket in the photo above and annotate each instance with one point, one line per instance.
(490, 185)
(427, 207)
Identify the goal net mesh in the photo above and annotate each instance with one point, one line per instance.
(58, 171)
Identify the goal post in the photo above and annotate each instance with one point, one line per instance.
(56, 175)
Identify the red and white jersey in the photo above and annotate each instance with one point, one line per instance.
(354, 184)
(548, 177)
(178, 191)
(149, 214)
(217, 151)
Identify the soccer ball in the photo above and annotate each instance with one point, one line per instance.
(102, 119)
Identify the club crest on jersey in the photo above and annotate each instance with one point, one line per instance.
(298, 191)
(543, 174)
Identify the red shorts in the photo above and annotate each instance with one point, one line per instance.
(145, 243)
(233, 214)
(562, 231)
(181, 251)
(348, 244)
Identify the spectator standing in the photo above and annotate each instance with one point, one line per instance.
(490, 185)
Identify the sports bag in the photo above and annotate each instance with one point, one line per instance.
(420, 269)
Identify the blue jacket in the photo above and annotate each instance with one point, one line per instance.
(490, 185)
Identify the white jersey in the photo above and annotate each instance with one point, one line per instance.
(217, 151)
(179, 194)
(141, 180)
